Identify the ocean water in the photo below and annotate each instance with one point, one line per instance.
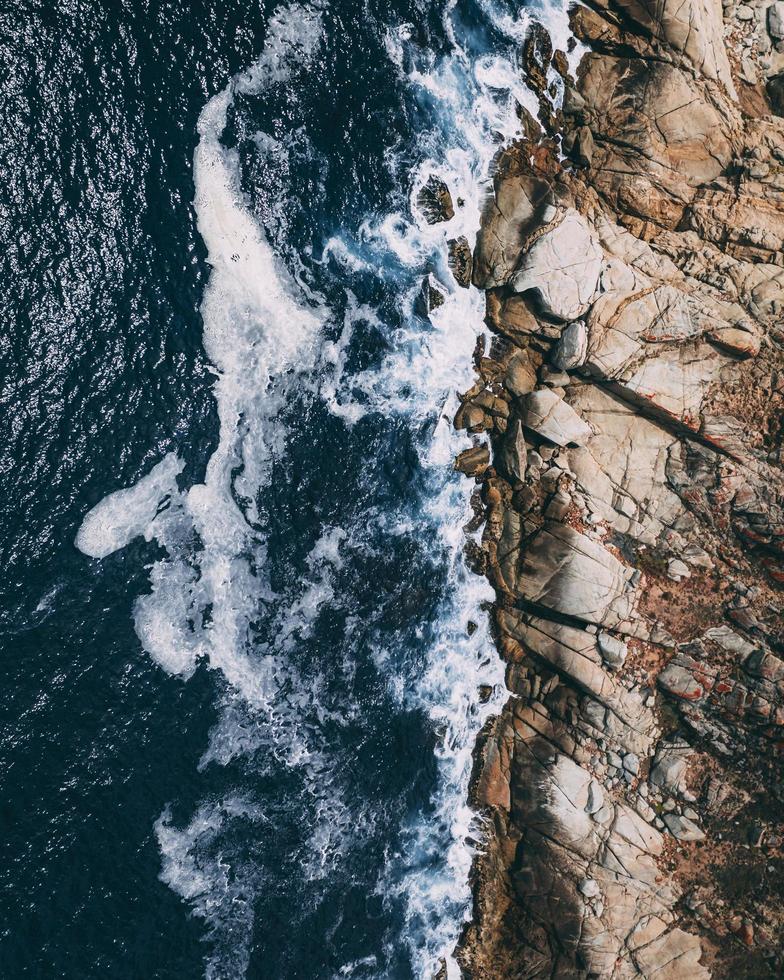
(242, 656)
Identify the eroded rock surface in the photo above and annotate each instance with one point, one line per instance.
(628, 454)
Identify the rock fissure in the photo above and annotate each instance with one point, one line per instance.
(628, 444)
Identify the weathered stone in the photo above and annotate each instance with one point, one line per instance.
(682, 828)
(613, 649)
(460, 260)
(520, 378)
(776, 20)
(631, 763)
(435, 201)
(509, 214)
(473, 461)
(590, 888)
(678, 570)
(571, 349)
(677, 680)
(513, 455)
(551, 418)
(669, 765)
(595, 797)
(569, 573)
(562, 265)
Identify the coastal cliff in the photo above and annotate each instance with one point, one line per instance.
(627, 451)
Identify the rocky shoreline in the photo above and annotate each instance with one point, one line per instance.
(627, 452)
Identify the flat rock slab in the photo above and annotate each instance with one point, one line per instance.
(572, 574)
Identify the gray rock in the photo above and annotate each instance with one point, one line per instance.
(571, 349)
(631, 763)
(776, 20)
(682, 828)
(569, 573)
(595, 797)
(669, 765)
(589, 888)
(612, 649)
(554, 379)
(645, 810)
(729, 640)
(678, 570)
(563, 267)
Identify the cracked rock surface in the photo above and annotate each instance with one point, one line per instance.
(627, 453)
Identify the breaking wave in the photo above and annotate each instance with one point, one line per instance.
(317, 571)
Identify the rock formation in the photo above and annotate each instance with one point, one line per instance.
(626, 420)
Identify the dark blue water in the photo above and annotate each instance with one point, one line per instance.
(237, 724)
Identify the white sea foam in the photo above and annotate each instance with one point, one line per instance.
(263, 333)
(259, 327)
(127, 514)
(222, 891)
(474, 103)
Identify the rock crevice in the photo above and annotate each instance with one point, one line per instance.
(626, 420)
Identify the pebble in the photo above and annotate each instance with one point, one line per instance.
(744, 12)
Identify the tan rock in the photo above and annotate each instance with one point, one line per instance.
(562, 265)
(569, 573)
(550, 417)
(513, 210)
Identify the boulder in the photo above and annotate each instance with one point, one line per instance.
(513, 209)
(613, 650)
(572, 574)
(562, 266)
(776, 20)
(473, 461)
(513, 455)
(551, 418)
(460, 260)
(435, 201)
(682, 828)
(520, 378)
(571, 349)
(670, 764)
